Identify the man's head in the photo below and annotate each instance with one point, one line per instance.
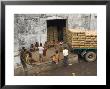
(65, 47)
(40, 44)
(23, 48)
(36, 42)
(56, 51)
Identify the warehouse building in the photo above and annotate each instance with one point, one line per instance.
(31, 28)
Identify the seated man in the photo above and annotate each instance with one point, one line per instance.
(55, 58)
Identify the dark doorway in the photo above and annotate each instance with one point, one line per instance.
(55, 29)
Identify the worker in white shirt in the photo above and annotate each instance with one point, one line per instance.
(65, 54)
(40, 52)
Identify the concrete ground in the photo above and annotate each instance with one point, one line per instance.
(78, 69)
(82, 68)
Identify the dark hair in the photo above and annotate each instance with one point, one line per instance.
(56, 51)
(65, 47)
(36, 42)
(45, 42)
(40, 44)
(31, 44)
(23, 48)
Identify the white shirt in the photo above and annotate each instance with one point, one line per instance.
(65, 52)
(61, 43)
(41, 50)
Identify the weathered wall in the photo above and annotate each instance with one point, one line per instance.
(30, 28)
(86, 21)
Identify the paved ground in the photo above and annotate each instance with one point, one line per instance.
(80, 69)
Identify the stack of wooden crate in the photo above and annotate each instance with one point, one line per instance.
(55, 34)
(52, 34)
(91, 39)
(64, 34)
(69, 37)
(78, 38)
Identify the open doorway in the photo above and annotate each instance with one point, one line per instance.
(55, 29)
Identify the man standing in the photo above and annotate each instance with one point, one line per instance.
(23, 59)
(40, 52)
(65, 54)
